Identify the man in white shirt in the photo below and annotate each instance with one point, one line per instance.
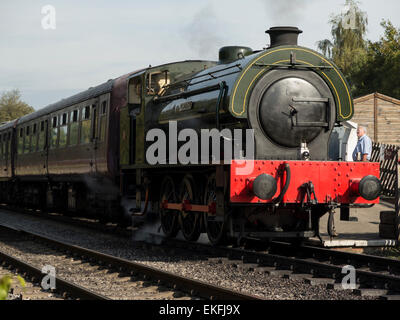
(364, 145)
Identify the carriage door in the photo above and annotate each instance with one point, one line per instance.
(43, 146)
(94, 137)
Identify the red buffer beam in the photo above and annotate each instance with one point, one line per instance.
(340, 182)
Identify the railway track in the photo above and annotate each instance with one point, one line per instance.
(375, 276)
(192, 288)
(65, 288)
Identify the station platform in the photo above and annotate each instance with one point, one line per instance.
(361, 232)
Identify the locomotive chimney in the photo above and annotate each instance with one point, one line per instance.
(281, 36)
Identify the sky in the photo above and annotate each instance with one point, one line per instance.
(94, 41)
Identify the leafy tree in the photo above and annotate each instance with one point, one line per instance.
(348, 32)
(11, 106)
(378, 69)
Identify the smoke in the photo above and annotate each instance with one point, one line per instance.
(287, 12)
(202, 34)
(100, 185)
(148, 231)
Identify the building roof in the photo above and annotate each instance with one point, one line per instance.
(378, 96)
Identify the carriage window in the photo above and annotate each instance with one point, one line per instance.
(104, 107)
(86, 113)
(63, 131)
(74, 116)
(64, 119)
(85, 128)
(94, 122)
(21, 141)
(103, 121)
(42, 136)
(54, 134)
(27, 146)
(74, 128)
(34, 138)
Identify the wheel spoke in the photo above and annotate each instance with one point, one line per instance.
(190, 221)
(216, 230)
(168, 218)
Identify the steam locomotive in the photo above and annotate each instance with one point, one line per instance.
(87, 153)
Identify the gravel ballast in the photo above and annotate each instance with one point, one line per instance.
(187, 264)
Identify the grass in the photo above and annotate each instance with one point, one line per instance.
(393, 253)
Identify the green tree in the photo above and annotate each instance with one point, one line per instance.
(348, 33)
(11, 106)
(378, 69)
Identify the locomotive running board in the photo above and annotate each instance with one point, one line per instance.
(277, 234)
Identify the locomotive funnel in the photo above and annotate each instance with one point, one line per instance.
(281, 36)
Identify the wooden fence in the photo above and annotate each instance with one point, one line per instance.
(387, 156)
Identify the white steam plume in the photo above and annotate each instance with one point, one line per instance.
(203, 34)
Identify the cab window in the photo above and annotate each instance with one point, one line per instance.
(157, 83)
